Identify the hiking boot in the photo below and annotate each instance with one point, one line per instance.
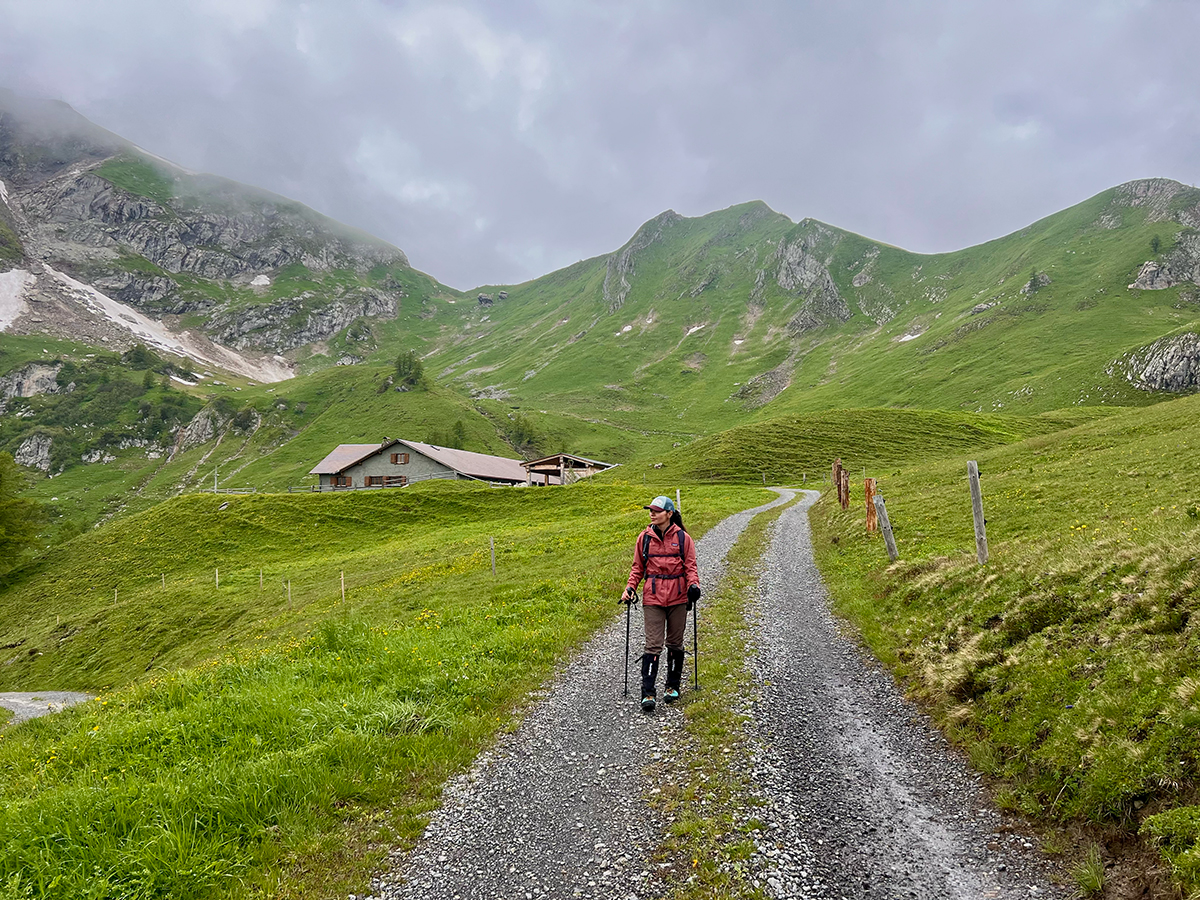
(674, 673)
(649, 676)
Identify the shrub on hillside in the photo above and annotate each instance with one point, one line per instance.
(410, 371)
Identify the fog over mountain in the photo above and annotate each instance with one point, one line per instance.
(496, 142)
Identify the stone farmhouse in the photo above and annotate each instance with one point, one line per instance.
(395, 463)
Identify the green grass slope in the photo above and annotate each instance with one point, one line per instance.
(688, 326)
(1069, 665)
(802, 447)
(250, 739)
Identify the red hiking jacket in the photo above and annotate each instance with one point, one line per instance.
(667, 576)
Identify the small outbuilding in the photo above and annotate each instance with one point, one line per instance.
(562, 468)
(395, 463)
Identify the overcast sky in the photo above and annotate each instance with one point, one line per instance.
(494, 142)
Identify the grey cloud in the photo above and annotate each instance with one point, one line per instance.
(494, 142)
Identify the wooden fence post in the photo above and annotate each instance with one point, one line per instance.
(164, 578)
(217, 576)
(981, 548)
(886, 526)
(492, 541)
(872, 516)
(343, 574)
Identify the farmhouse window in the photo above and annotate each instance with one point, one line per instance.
(342, 481)
(400, 459)
(374, 481)
(391, 480)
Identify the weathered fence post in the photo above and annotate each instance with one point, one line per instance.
(217, 576)
(260, 580)
(678, 508)
(492, 541)
(886, 526)
(164, 578)
(872, 517)
(981, 550)
(343, 574)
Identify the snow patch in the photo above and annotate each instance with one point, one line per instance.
(260, 281)
(738, 343)
(3, 192)
(12, 296)
(694, 329)
(911, 336)
(158, 335)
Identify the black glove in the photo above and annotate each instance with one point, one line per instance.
(628, 598)
(693, 595)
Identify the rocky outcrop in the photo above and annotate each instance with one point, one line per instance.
(285, 325)
(803, 271)
(1182, 265)
(205, 426)
(80, 216)
(34, 451)
(1171, 364)
(1163, 200)
(29, 381)
(1036, 282)
(620, 264)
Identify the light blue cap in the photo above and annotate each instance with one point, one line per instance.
(658, 504)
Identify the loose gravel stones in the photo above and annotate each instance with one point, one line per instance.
(27, 705)
(864, 797)
(855, 794)
(560, 807)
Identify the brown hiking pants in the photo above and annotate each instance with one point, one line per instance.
(671, 619)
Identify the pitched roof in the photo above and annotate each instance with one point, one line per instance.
(548, 460)
(476, 465)
(344, 456)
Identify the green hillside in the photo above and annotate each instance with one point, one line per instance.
(706, 336)
(1067, 666)
(279, 738)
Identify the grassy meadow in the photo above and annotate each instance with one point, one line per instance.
(1069, 666)
(245, 741)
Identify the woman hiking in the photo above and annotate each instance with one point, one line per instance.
(665, 557)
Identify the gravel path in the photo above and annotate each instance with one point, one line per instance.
(29, 705)
(860, 796)
(559, 807)
(864, 797)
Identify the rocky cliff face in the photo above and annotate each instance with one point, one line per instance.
(286, 324)
(167, 241)
(1181, 266)
(1171, 364)
(803, 269)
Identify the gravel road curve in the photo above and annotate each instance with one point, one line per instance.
(861, 797)
(559, 807)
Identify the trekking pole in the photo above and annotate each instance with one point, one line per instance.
(695, 647)
(629, 604)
